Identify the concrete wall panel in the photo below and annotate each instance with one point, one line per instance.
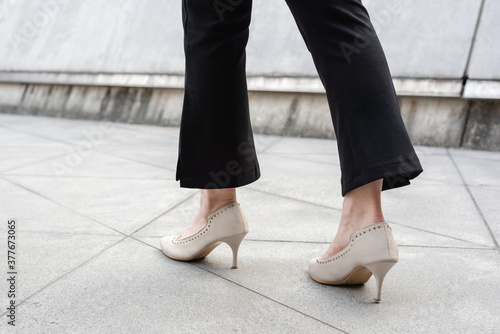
(91, 36)
(434, 121)
(483, 126)
(11, 95)
(422, 39)
(485, 59)
(425, 38)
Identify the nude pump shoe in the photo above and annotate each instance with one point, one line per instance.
(227, 224)
(371, 250)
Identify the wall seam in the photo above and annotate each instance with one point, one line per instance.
(465, 76)
(466, 121)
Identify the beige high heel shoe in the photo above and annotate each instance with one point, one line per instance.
(371, 250)
(227, 224)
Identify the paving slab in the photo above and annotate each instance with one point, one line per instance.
(479, 172)
(274, 218)
(430, 150)
(149, 129)
(444, 209)
(91, 163)
(430, 290)
(295, 145)
(163, 157)
(132, 287)
(63, 130)
(13, 157)
(284, 176)
(35, 213)
(101, 134)
(488, 201)
(79, 272)
(329, 159)
(43, 257)
(263, 142)
(439, 168)
(123, 135)
(122, 204)
(21, 140)
(477, 154)
(419, 237)
(270, 218)
(28, 121)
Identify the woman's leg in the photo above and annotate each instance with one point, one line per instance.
(216, 148)
(372, 139)
(361, 208)
(374, 148)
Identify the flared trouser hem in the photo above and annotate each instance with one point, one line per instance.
(394, 175)
(220, 180)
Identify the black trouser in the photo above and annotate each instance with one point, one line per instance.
(216, 148)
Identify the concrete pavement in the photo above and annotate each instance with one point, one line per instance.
(92, 199)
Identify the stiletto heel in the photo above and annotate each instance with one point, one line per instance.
(371, 250)
(379, 270)
(227, 224)
(234, 242)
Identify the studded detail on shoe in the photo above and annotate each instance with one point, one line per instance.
(371, 250)
(227, 224)
(348, 249)
(203, 231)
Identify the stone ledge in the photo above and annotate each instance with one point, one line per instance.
(403, 86)
(482, 89)
(435, 121)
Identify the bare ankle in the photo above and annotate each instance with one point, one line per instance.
(362, 206)
(212, 199)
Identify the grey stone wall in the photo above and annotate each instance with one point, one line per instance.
(123, 60)
(422, 39)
